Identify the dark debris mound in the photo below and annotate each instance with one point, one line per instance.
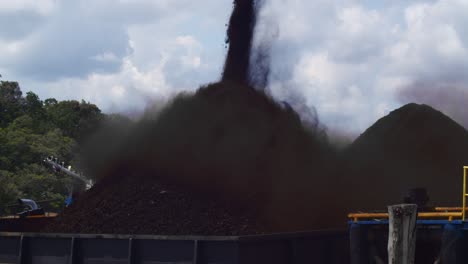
(139, 205)
(230, 150)
(414, 146)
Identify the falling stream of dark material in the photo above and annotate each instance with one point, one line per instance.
(239, 36)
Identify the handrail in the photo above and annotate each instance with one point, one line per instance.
(450, 212)
(45, 215)
(61, 167)
(449, 209)
(449, 215)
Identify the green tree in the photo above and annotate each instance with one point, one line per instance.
(30, 130)
(11, 102)
(76, 120)
(9, 190)
(37, 182)
(49, 102)
(34, 107)
(21, 146)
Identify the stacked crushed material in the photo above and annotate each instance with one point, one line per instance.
(244, 165)
(227, 142)
(139, 205)
(414, 146)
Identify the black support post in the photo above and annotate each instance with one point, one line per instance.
(358, 244)
(130, 251)
(195, 252)
(72, 251)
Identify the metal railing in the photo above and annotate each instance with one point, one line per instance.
(47, 205)
(56, 165)
(440, 212)
(421, 215)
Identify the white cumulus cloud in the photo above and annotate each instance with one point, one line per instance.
(353, 61)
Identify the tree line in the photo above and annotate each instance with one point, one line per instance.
(32, 129)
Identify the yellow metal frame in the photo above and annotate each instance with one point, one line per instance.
(449, 209)
(465, 169)
(440, 212)
(422, 215)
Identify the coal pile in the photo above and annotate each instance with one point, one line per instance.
(414, 146)
(239, 163)
(227, 143)
(140, 205)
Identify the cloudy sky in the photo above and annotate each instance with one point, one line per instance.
(353, 61)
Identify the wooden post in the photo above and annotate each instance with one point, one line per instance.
(402, 233)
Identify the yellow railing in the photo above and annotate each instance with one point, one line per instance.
(449, 209)
(421, 215)
(440, 212)
(465, 169)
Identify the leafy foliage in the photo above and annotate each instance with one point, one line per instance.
(11, 102)
(32, 129)
(76, 119)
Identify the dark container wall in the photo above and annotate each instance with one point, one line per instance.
(327, 247)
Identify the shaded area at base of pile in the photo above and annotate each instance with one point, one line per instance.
(139, 205)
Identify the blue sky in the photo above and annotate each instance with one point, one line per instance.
(353, 61)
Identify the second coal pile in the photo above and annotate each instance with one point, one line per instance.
(414, 146)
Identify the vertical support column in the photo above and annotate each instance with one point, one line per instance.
(77, 251)
(402, 233)
(20, 253)
(358, 244)
(130, 251)
(195, 252)
(72, 251)
(293, 251)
